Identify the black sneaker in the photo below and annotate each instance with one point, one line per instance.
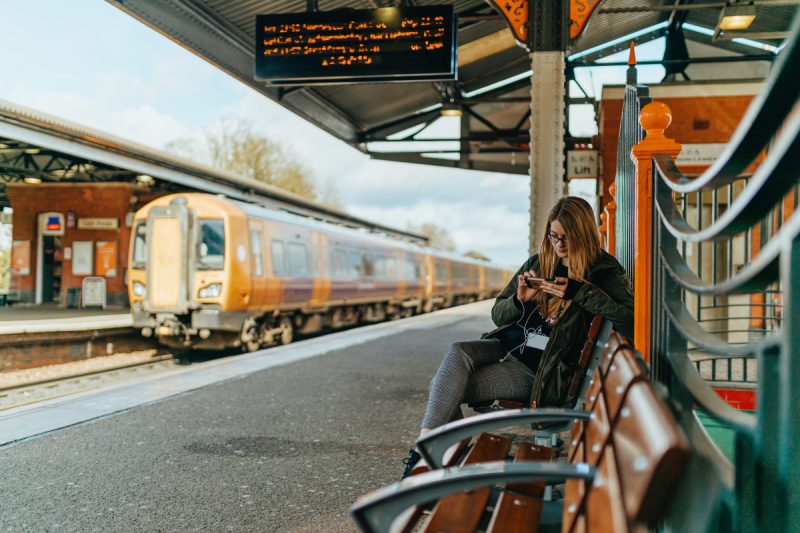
(410, 461)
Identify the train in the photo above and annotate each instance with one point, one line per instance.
(208, 272)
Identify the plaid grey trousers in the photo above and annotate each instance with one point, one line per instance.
(471, 371)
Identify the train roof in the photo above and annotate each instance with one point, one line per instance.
(361, 234)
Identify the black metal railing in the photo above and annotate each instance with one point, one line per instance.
(762, 493)
(630, 133)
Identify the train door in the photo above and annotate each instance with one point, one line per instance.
(258, 268)
(169, 252)
(299, 283)
(49, 257)
(321, 269)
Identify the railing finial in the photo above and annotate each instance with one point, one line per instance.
(632, 57)
(655, 117)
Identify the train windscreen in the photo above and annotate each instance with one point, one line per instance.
(139, 258)
(211, 250)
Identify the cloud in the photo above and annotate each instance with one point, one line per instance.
(140, 123)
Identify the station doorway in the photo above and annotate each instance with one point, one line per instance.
(50, 257)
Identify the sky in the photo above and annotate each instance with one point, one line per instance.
(88, 62)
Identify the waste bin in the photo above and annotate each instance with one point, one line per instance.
(73, 297)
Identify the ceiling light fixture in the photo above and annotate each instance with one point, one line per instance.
(451, 110)
(32, 151)
(145, 179)
(736, 17)
(31, 180)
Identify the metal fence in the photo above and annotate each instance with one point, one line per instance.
(630, 133)
(726, 287)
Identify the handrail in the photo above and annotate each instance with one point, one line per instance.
(763, 118)
(766, 452)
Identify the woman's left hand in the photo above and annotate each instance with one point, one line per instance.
(562, 287)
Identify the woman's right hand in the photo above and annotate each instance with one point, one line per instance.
(524, 293)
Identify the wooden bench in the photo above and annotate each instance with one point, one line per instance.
(626, 454)
(597, 337)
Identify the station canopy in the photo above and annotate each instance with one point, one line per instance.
(492, 91)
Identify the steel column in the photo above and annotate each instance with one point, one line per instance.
(548, 42)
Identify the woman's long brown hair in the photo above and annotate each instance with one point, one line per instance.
(583, 242)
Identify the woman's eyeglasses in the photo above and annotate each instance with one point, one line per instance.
(555, 239)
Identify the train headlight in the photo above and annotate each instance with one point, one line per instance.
(212, 290)
(139, 289)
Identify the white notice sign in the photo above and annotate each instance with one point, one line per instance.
(98, 223)
(699, 154)
(581, 164)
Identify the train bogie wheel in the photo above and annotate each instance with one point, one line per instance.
(251, 346)
(287, 331)
(251, 336)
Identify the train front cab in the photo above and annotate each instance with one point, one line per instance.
(185, 280)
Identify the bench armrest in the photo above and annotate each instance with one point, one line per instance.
(433, 445)
(375, 511)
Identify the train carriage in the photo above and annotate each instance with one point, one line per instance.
(206, 272)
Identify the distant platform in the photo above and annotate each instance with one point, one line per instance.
(43, 318)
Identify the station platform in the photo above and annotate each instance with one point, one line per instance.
(284, 439)
(40, 318)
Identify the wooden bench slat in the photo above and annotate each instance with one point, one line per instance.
(597, 433)
(531, 452)
(463, 511)
(653, 451)
(605, 512)
(516, 513)
(623, 372)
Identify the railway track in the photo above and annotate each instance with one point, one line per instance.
(31, 392)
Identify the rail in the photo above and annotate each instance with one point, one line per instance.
(722, 251)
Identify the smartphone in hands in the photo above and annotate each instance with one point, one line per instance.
(533, 283)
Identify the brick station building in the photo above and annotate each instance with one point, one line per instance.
(704, 117)
(66, 232)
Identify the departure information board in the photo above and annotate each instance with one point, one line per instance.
(365, 45)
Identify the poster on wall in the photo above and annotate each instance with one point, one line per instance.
(106, 259)
(82, 258)
(21, 258)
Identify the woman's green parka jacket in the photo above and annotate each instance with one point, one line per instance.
(606, 292)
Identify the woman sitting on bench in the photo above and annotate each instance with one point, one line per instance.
(542, 317)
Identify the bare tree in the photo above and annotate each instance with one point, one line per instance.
(234, 146)
(474, 254)
(438, 237)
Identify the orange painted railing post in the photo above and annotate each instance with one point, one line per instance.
(603, 229)
(655, 117)
(611, 219)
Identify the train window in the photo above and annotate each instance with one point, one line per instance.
(211, 252)
(391, 268)
(380, 267)
(278, 258)
(255, 250)
(139, 245)
(413, 269)
(342, 266)
(298, 259)
(441, 273)
(368, 262)
(356, 268)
